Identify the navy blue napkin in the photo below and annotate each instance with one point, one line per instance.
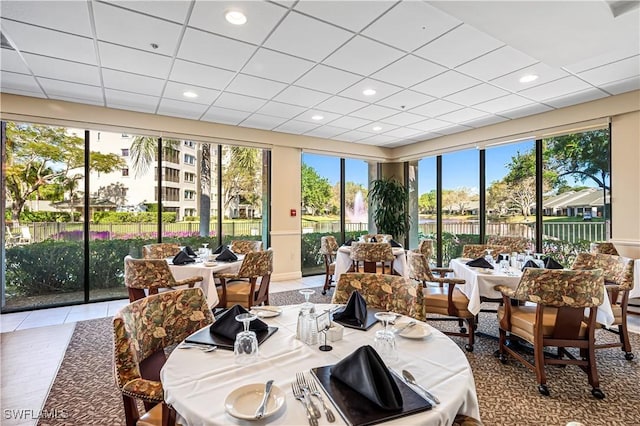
(549, 263)
(182, 258)
(227, 326)
(189, 251)
(373, 240)
(348, 242)
(480, 262)
(394, 243)
(354, 313)
(220, 249)
(530, 264)
(227, 256)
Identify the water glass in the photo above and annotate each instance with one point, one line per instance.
(245, 348)
(385, 340)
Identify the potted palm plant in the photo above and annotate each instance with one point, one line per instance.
(389, 200)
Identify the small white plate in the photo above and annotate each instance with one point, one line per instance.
(418, 331)
(266, 311)
(210, 263)
(243, 402)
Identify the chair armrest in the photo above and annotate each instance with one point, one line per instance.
(452, 280)
(146, 390)
(441, 271)
(189, 281)
(506, 291)
(227, 276)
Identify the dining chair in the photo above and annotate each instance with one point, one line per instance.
(141, 332)
(474, 251)
(328, 250)
(379, 237)
(603, 248)
(444, 300)
(426, 247)
(250, 286)
(245, 246)
(464, 420)
(370, 254)
(151, 275)
(160, 250)
(392, 293)
(512, 243)
(556, 320)
(618, 279)
(25, 235)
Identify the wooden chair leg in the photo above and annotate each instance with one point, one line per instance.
(168, 415)
(624, 339)
(538, 355)
(131, 413)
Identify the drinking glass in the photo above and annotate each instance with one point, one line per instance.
(488, 257)
(307, 306)
(245, 348)
(385, 340)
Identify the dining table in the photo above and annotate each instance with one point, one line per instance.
(206, 270)
(344, 263)
(480, 284)
(197, 383)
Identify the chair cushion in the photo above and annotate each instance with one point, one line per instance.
(523, 318)
(617, 314)
(332, 268)
(152, 417)
(436, 301)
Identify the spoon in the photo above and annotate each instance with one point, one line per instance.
(410, 379)
(404, 327)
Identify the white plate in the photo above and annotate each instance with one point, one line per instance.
(418, 331)
(267, 311)
(243, 402)
(210, 263)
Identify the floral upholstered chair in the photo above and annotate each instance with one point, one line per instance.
(512, 243)
(618, 279)
(250, 286)
(160, 250)
(557, 319)
(388, 292)
(370, 254)
(151, 274)
(474, 251)
(426, 248)
(245, 246)
(379, 237)
(328, 250)
(603, 248)
(141, 332)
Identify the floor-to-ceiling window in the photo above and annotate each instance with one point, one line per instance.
(427, 207)
(356, 186)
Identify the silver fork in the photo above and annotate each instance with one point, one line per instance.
(297, 394)
(307, 393)
(315, 392)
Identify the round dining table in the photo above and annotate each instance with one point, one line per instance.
(196, 383)
(344, 263)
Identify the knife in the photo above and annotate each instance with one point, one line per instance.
(265, 399)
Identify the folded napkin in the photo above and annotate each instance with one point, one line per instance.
(189, 251)
(348, 242)
(227, 326)
(227, 256)
(480, 262)
(549, 263)
(530, 264)
(220, 249)
(394, 243)
(373, 240)
(354, 313)
(182, 258)
(501, 257)
(365, 372)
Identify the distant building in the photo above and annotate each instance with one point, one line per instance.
(587, 202)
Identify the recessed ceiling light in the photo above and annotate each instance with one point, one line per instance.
(190, 94)
(377, 128)
(317, 117)
(528, 78)
(368, 92)
(235, 17)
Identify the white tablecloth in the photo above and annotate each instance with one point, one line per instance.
(635, 291)
(480, 284)
(181, 272)
(197, 383)
(343, 261)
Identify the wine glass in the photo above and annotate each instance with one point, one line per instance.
(488, 257)
(245, 348)
(385, 340)
(307, 305)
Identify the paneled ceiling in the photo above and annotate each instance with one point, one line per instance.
(301, 67)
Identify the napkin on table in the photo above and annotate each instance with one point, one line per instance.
(480, 262)
(530, 264)
(394, 243)
(365, 372)
(182, 258)
(227, 256)
(373, 240)
(189, 251)
(549, 263)
(227, 326)
(220, 249)
(354, 313)
(348, 242)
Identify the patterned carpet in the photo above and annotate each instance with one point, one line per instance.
(507, 393)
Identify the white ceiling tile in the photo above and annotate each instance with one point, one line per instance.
(261, 18)
(68, 16)
(340, 105)
(405, 100)
(363, 56)
(225, 115)
(326, 131)
(135, 108)
(382, 90)
(254, 86)
(15, 91)
(474, 95)
(239, 102)
(352, 15)
(403, 119)
(52, 43)
(309, 114)
(133, 100)
(622, 86)
(297, 127)
(454, 128)
(430, 125)
(556, 88)
(456, 47)
(544, 72)
(353, 136)
(200, 75)
(12, 62)
(276, 66)
(319, 39)
(182, 109)
(613, 54)
(615, 71)
(172, 10)
(485, 121)
(209, 49)
(299, 96)
(135, 30)
(136, 61)
(278, 109)
(23, 82)
(82, 100)
(260, 121)
(408, 71)
(505, 103)
(576, 98)
(411, 24)
(374, 112)
(497, 63)
(327, 79)
(526, 111)
(377, 128)
(43, 66)
(347, 122)
(463, 115)
(446, 84)
(132, 82)
(58, 88)
(378, 140)
(436, 108)
(176, 91)
(402, 132)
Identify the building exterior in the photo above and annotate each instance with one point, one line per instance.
(586, 203)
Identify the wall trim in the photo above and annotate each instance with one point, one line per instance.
(286, 276)
(629, 243)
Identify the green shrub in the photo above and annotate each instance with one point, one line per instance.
(132, 217)
(312, 261)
